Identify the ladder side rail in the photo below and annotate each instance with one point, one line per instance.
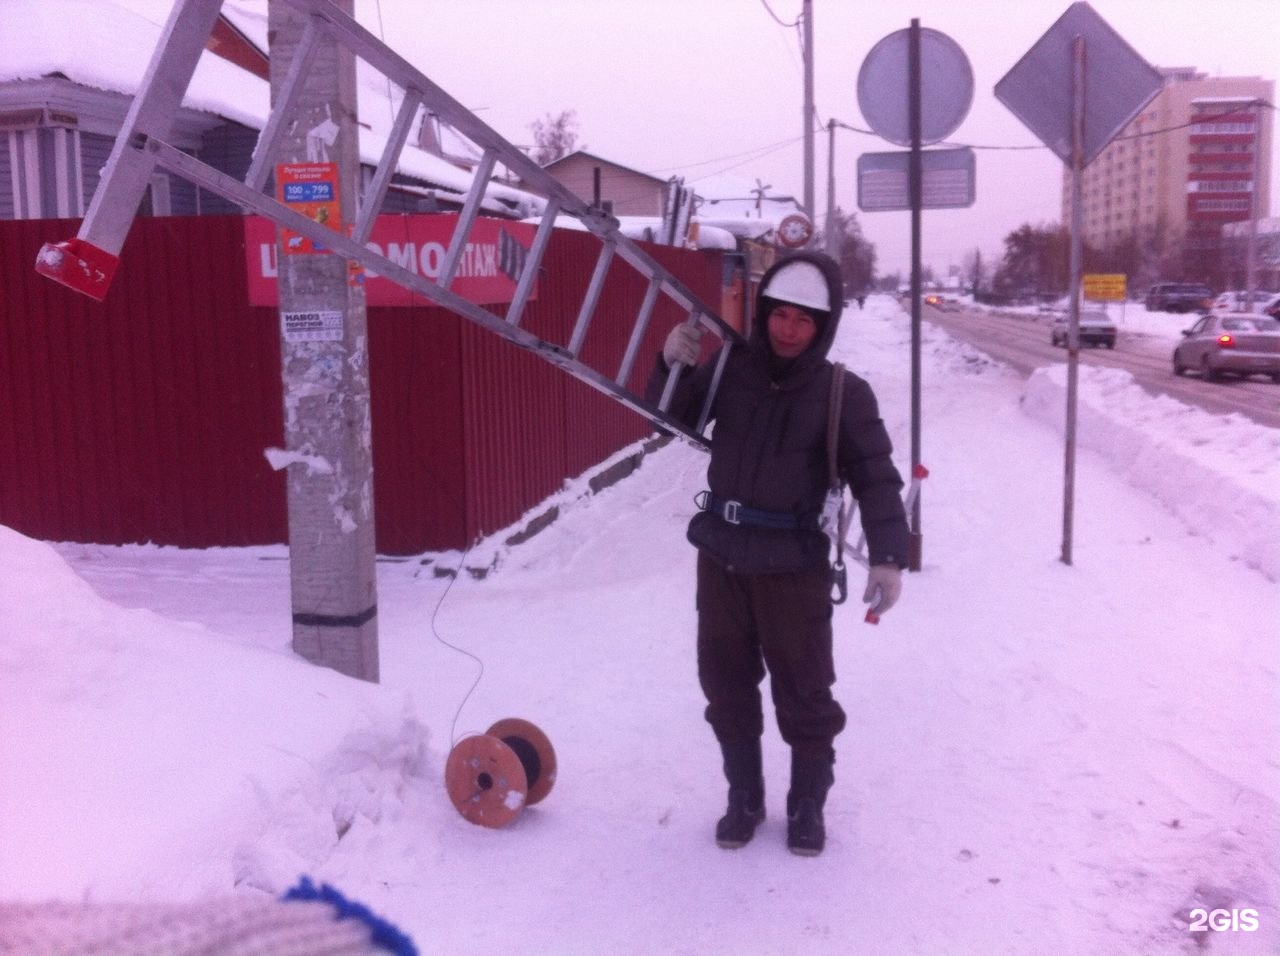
(533, 263)
(673, 374)
(707, 405)
(675, 290)
(371, 201)
(592, 298)
(237, 192)
(391, 64)
(639, 329)
(282, 111)
(467, 218)
(601, 383)
(128, 172)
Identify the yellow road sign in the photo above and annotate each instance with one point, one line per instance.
(1104, 287)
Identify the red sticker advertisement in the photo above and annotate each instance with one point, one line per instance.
(487, 269)
(311, 189)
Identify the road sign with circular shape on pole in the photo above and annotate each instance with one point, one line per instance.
(946, 87)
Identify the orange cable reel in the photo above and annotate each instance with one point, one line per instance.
(492, 777)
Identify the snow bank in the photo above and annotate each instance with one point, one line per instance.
(1218, 474)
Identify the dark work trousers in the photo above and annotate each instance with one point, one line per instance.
(748, 623)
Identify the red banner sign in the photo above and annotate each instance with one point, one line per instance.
(486, 274)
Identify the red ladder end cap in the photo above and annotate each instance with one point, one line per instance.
(79, 265)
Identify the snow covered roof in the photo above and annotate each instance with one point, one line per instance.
(107, 44)
(647, 228)
(583, 153)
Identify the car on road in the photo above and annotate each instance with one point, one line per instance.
(1236, 343)
(1272, 307)
(1237, 300)
(1179, 297)
(1096, 328)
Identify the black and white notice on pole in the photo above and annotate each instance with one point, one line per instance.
(311, 326)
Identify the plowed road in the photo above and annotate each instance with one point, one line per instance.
(1022, 341)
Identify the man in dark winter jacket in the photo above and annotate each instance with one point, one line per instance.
(764, 574)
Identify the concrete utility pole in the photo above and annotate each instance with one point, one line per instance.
(807, 15)
(325, 364)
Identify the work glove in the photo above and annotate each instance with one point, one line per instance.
(682, 345)
(884, 586)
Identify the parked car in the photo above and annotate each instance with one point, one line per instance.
(1239, 343)
(1096, 328)
(1237, 300)
(1272, 307)
(1179, 297)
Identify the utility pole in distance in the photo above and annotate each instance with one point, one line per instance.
(807, 16)
(324, 353)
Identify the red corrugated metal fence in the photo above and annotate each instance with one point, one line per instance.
(144, 418)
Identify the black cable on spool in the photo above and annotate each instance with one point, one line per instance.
(527, 754)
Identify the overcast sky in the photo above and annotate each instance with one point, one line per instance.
(701, 88)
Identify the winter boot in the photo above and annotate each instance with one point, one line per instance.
(742, 768)
(811, 778)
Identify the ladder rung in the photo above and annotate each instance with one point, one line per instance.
(673, 376)
(371, 202)
(467, 218)
(593, 296)
(641, 326)
(282, 111)
(533, 263)
(721, 361)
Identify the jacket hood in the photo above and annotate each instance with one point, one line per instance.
(817, 352)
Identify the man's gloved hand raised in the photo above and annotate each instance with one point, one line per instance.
(682, 345)
(884, 587)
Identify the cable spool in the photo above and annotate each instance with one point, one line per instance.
(491, 777)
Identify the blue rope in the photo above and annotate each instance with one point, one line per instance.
(383, 933)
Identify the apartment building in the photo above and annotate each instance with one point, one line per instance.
(1196, 158)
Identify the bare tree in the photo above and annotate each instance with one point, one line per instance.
(972, 270)
(857, 256)
(554, 137)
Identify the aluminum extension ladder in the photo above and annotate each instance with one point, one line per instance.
(87, 262)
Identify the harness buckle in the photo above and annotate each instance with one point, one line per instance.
(730, 512)
(840, 583)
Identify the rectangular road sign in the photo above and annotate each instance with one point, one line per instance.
(1104, 287)
(947, 180)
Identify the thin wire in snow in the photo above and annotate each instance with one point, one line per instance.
(453, 727)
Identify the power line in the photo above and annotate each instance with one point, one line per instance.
(776, 19)
(750, 153)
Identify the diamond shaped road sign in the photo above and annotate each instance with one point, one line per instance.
(1118, 83)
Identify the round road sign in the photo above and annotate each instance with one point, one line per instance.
(946, 87)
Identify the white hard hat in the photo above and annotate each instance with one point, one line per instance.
(799, 283)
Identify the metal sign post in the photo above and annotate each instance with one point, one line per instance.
(915, 178)
(936, 102)
(1046, 89)
(1073, 329)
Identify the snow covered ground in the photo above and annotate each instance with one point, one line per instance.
(1040, 757)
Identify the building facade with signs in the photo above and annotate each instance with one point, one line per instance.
(1196, 158)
